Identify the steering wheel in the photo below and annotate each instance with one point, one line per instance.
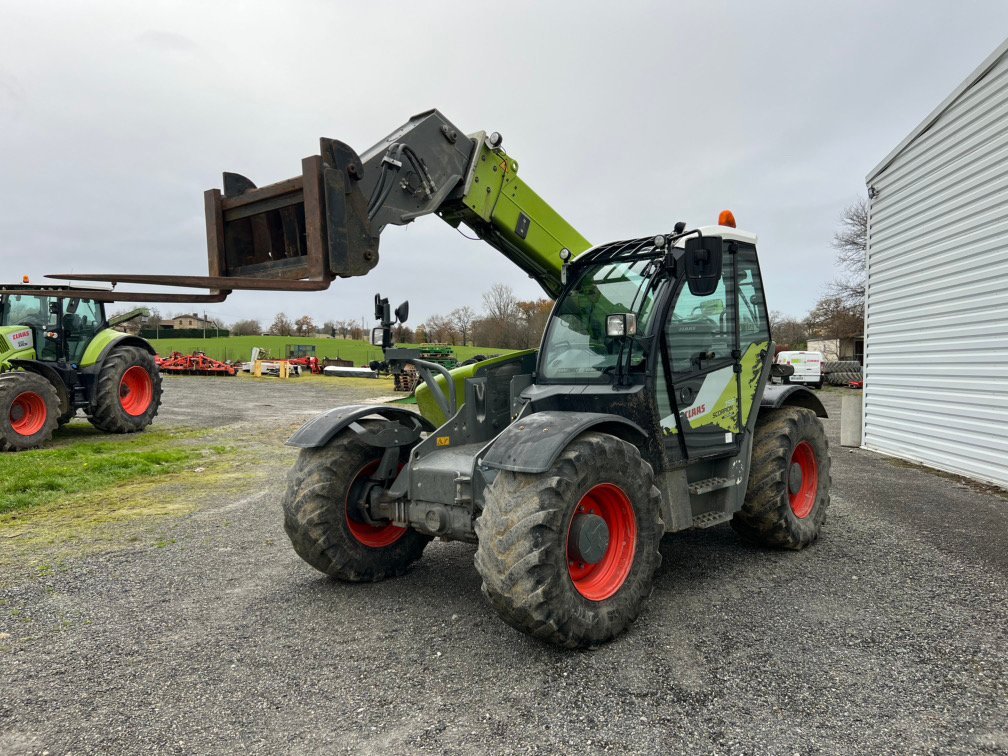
(33, 321)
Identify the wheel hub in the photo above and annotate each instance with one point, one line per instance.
(795, 478)
(589, 539)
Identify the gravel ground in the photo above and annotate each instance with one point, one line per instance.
(888, 636)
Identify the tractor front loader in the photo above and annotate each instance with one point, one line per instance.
(646, 410)
(58, 356)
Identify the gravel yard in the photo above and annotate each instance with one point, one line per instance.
(209, 634)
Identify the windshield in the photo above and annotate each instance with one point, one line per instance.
(25, 309)
(576, 346)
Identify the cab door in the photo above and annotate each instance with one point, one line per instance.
(699, 363)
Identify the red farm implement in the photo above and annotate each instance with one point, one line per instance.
(193, 364)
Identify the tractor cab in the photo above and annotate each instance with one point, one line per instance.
(670, 332)
(61, 324)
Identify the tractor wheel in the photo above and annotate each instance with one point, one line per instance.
(789, 482)
(29, 409)
(128, 392)
(320, 521)
(569, 555)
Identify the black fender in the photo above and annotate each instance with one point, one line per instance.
(532, 443)
(404, 426)
(790, 395)
(50, 374)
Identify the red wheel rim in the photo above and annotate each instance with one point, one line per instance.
(376, 537)
(597, 582)
(804, 499)
(28, 413)
(136, 391)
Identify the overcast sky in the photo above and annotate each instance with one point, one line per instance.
(626, 116)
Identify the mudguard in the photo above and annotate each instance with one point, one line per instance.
(320, 429)
(531, 444)
(789, 395)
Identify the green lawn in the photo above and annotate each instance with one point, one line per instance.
(240, 347)
(44, 476)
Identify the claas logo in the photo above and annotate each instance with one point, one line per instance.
(695, 411)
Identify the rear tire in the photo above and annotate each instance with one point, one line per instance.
(319, 526)
(128, 392)
(525, 530)
(29, 410)
(789, 481)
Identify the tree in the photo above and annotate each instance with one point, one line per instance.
(281, 325)
(533, 317)
(343, 327)
(462, 319)
(329, 328)
(850, 243)
(440, 329)
(304, 326)
(788, 331)
(500, 325)
(246, 328)
(833, 318)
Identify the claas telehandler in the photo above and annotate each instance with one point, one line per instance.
(645, 411)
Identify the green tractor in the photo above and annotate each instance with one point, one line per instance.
(58, 355)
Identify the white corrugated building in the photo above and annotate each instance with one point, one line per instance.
(936, 307)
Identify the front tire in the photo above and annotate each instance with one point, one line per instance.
(29, 410)
(321, 525)
(789, 481)
(529, 557)
(128, 392)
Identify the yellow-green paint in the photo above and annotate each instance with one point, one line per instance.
(497, 196)
(725, 411)
(425, 399)
(101, 340)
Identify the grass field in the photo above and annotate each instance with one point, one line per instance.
(240, 348)
(80, 464)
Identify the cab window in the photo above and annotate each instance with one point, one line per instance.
(754, 327)
(700, 330)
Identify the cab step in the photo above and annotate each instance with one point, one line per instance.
(705, 486)
(710, 519)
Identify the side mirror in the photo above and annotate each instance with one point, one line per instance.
(781, 370)
(402, 312)
(703, 264)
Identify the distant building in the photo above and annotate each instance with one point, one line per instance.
(845, 348)
(188, 321)
(936, 305)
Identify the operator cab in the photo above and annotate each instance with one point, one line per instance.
(689, 373)
(62, 325)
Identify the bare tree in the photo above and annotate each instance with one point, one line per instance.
(246, 328)
(329, 327)
(500, 326)
(281, 325)
(343, 328)
(850, 243)
(788, 331)
(304, 326)
(462, 318)
(441, 329)
(832, 318)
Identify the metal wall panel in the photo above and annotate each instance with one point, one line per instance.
(936, 309)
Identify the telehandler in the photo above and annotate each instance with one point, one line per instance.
(646, 410)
